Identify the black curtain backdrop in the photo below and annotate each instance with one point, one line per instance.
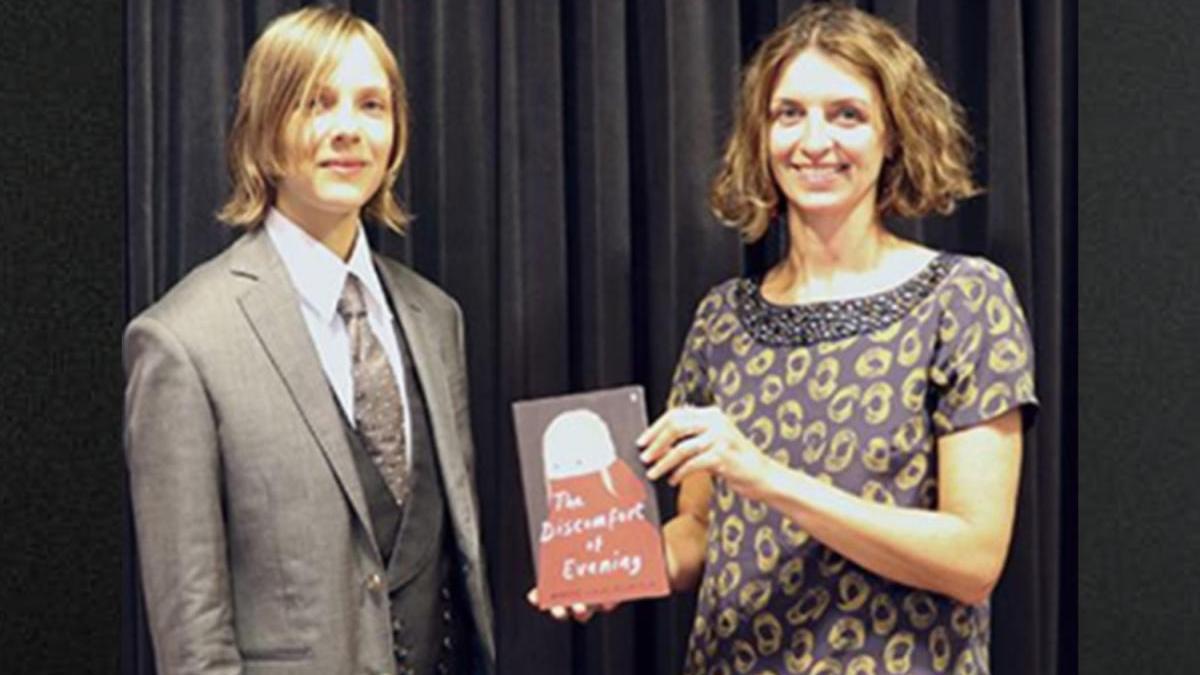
(559, 168)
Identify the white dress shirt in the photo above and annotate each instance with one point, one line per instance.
(319, 276)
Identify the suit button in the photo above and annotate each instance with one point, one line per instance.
(374, 583)
(447, 643)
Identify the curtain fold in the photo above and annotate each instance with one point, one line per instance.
(558, 170)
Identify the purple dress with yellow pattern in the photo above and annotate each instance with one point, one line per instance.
(855, 392)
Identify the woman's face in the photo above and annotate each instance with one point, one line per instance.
(338, 148)
(827, 136)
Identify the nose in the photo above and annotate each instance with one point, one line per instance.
(345, 125)
(816, 140)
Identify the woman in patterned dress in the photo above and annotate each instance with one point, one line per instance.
(847, 428)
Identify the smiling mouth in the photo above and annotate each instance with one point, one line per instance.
(822, 170)
(343, 164)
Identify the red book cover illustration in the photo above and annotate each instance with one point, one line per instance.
(593, 516)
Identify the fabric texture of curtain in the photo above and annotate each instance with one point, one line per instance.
(559, 166)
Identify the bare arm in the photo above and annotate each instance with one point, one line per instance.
(684, 535)
(957, 550)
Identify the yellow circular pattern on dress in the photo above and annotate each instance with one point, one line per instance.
(759, 365)
(912, 473)
(727, 622)
(762, 433)
(965, 665)
(744, 657)
(999, 317)
(766, 549)
(791, 576)
(910, 348)
(799, 656)
(939, 648)
(920, 609)
(913, 390)
(863, 664)
(742, 343)
(1007, 356)
(853, 591)
(771, 389)
(847, 634)
(996, 400)
(731, 380)
(884, 614)
(810, 606)
(910, 435)
(741, 409)
(960, 621)
(824, 381)
(755, 595)
(790, 415)
(973, 291)
(842, 450)
(732, 531)
(948, 329)
(797, 364)
(722, 328)
(873, 362)
(768, 633)
(812, 442)
(876, 403)
(729, 578)
(841, 406)
(793, 533)
(877, 458)
(876, 492)
(754, 510)
(897, 653)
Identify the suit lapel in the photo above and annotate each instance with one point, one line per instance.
(431, 367)
(272, 308)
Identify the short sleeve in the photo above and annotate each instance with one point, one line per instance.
(983, 357)
(691, 383)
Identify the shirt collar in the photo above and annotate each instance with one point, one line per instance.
(318, 274)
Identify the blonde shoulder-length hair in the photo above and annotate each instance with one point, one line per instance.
(293, 55)
(928, 169)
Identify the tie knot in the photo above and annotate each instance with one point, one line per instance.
(351, 304)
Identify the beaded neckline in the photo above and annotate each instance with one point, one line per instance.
(810, 323)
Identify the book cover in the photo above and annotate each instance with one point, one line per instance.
(594, 523)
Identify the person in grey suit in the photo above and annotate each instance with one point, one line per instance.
(297, 431)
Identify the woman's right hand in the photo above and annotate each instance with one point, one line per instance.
(578, 611)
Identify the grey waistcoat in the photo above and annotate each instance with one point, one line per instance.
(427, 622)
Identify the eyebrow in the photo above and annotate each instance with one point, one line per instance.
(839, 101)
(367, 89)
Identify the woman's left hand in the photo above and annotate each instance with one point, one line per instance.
(686, 440)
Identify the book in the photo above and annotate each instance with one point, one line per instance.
(594, 524)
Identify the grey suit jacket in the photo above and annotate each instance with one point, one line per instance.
(257, 554)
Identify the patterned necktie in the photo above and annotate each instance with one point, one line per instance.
(378, 410)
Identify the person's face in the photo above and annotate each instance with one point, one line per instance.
(337, 149)
(827, 135)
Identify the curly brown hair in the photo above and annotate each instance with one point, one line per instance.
(928, 169)
(294, 53)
